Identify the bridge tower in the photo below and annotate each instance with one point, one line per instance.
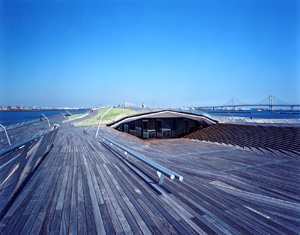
(234, 103)
(271, 102)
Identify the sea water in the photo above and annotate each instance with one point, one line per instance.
(265, 114)
(10, 117)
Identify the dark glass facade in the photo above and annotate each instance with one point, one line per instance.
(160, 128)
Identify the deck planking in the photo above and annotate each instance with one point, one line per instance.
(86, 187)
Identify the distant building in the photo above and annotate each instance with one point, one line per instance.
(14, 108)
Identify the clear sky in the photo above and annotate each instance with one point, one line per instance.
(178, 53)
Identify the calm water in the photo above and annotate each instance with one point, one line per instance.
(278, 114)
(9, 117)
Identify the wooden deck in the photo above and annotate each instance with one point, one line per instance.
(19, 134)
(279, 140)
(86, 187)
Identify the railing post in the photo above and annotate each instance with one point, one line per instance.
(63, 115)
(20, 145)
(161, 178)
(47, 120)
(6, 134)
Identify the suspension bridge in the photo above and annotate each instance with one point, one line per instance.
(262, 104)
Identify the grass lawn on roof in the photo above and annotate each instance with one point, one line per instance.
(112, 116)
(77, 115)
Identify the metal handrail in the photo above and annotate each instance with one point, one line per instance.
(161, 171)
(12, 148)
(20, 124)
(6, 134)
(63, 115)
(101, 120)
(47, 120)
(96, 115)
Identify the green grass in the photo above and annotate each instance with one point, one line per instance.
(112, 116)
(77, 115)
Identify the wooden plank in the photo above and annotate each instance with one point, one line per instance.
(133, 210)
(104, 212)
(90, 222)
(123, 221)
(42, 214)
(82, 226)
(108, 204)
(150, 197)
(181, 218)
(13, 215)
(60, 203)
(96, 210)
(34, 213)
(50, 211)
(65, 217)
(74, 199)
(28, 210)
(131, 221)
(155, 225)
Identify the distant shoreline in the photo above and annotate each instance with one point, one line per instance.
(8, 117)
(31, 110)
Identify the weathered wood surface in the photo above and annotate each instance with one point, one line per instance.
(281, 139)
(18, 166)
(86, 187)
(20, 134)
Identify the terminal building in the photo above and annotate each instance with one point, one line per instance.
(162, 124)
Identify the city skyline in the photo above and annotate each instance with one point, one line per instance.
(177, 53)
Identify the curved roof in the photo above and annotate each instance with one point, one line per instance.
(165, 114)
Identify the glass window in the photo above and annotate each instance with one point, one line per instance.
(159, 128)
(151, 128)
(138, 128)
(163, 127)
(145, 128)
(177, 127)
(166, 128)
(126, 128)
(186, 126)
(120, 127)
(132, 127)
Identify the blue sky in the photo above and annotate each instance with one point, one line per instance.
(178, 53)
